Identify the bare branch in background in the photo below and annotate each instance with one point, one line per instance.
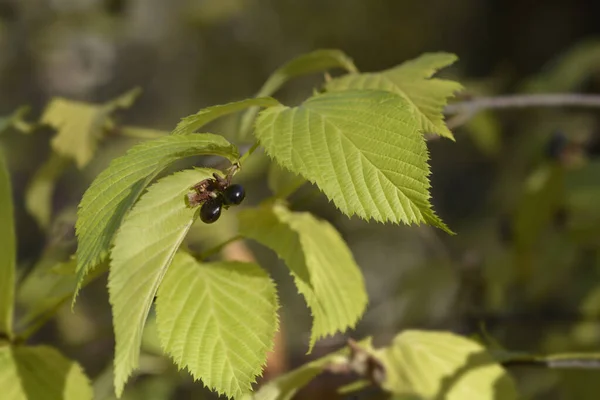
(462, 112)
(558, 363)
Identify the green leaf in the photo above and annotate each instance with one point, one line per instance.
(445, 366)
(320, 262)
(116, 189)
(7, 252)
(283, 182)
(144, 248)
(362, 148)
(80, 125)
(412, 80)
(305, 64)
(41, 372)
(194, 122)
(38, 198)
(218, 320)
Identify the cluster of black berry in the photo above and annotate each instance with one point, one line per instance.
(215, 194)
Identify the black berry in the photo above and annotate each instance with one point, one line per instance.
(211, 210)
(234, 195)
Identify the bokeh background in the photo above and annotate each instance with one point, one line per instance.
(520, 187)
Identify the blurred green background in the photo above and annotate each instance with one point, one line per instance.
(524, 268)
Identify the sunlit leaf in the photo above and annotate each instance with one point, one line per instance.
(7, 251)
(305, 64)
(412, 80)
(320, 262)
(116, 189)
(38, 198)
(362, 148)
(144, 248)
(80, 125)
(196, 121)
(445, 366)
(218, 320)
(41, 372)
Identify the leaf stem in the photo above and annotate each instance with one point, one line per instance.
(216, 249)
(249, 152)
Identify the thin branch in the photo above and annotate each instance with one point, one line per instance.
(249, 152)
(464, 111)
(559, 363)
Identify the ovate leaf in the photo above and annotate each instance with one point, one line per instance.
(79, 128)
(310, 63)
(38, 198)
(144, 248)
(114, 191)
(41, 372)
(362, 148)
(80, 125)
(194, 122)
(412, 80)
(320, 262)
(445, 366)
(7, 251)
(218, 320)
